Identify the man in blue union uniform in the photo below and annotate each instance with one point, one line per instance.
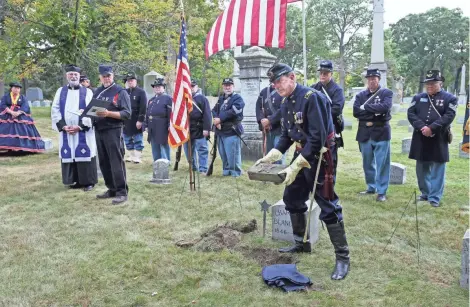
(307, 123)
(372, 108)
(431, 114)
(334, 94)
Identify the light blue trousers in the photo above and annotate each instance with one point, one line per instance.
(199, 153)
(231, 155)
(431, 178)
(376, 165)
(160, 151)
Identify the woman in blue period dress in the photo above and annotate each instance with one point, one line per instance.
(17, 129)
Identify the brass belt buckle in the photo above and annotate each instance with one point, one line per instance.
(369, 124)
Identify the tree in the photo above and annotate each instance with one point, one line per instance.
(437, 38)
(341, 21)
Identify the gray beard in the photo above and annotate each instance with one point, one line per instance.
(74, 83)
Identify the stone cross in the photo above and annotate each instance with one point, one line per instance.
(161, 172)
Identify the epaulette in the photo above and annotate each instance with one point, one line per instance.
(308, 94)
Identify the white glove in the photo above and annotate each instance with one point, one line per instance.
(292, 170)
(362, 107)
(87, 122)
(272, 156)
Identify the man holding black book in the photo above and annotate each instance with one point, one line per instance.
(109, 139)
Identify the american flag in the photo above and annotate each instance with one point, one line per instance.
(182, 99)
(249, 23)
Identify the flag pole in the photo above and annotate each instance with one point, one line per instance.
(304, 35)
(192, 182)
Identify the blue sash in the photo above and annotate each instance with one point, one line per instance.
(82, 152)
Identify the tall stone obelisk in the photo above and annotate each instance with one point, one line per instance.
(377, 58)
(463, 93)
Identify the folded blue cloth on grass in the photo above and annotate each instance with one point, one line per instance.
(286, 277)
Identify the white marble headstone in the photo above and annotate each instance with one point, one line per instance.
(411, 128)
(347, 124)
(406, 145)
(403, 122)
(282, 227)
(397, 173)
(161, 172)
(48, 144)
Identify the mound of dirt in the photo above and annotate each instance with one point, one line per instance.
(227, 235)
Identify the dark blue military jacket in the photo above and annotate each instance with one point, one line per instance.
(420, 114)
(230, 111)
(373, 121)
(139, 106)
(337, 102)
(309, 109)
(271, 111)
(200, 121)
(118, 102)
(157, 119)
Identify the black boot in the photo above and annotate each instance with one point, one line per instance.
(338, 239)
(299, 224)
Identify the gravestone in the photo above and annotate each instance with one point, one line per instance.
(254, 63)
(465, 260)
(161, 172)
(411, 128)
(460, 120)
(403, 122)
(36, 103)
(47, 144)
(463, 154)
(397, 173)
(282, 227)
(45, 103)
(148, 79)
(34, 93)
(395, 108)
(407, 100)
(405, 145)
(347, 124)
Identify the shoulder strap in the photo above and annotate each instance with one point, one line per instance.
(432, 104)
(372, 97)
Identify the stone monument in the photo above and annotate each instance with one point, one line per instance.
(377, 58)
(34, 93)
(347, 124)
(403, 123)
(148, 79)
(398, 89)
(48, 146)
(161, 172)
(281, 223)
(462, 93)
(254, 64)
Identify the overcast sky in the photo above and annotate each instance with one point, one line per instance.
(397, 9)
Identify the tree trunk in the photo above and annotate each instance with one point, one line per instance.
(342, 71)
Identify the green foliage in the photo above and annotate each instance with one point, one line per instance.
(436, 39)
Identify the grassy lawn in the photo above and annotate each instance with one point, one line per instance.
(61, 247)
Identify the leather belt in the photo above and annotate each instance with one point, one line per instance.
(372, 124)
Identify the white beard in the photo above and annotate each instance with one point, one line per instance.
(74, 83)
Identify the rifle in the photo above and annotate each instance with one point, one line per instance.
(213, 155)
(210, 169)
(178, 158)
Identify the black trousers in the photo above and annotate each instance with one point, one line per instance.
(110, 145)
(298, 192)
(82, 173)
